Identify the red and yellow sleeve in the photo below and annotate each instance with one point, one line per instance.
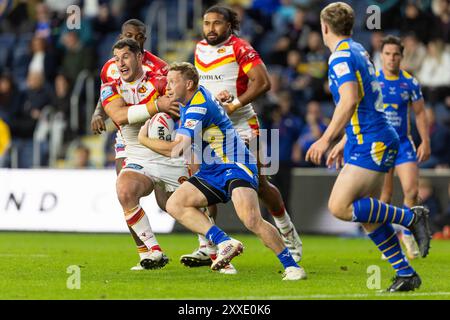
(246, 56)
(108, 93)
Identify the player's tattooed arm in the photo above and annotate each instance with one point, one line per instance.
(98, 119)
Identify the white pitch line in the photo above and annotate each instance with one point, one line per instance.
(354, 295)
(327, 296)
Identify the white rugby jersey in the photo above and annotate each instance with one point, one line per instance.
(225, 67)
(146, 89)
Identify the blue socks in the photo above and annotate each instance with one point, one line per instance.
(387, 242)
(216, 235)
(406, 232)
(286, 259)
(370, 210)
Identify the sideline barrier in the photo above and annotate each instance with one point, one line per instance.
(85, 201)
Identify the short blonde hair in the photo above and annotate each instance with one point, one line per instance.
(187, 70)
(340, 17)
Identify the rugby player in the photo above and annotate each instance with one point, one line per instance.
(401, 93)
(227, 63)
(129, 101)
(371, 146)
(133, 29)
(228, 171)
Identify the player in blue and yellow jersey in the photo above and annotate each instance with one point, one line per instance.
(227, 171)
(401, 93)
(370, 145)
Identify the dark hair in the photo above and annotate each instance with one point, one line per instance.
(127, 42)
(390, 39)
(340, 17)
(188, 71)
(136, 23)
(229, 15)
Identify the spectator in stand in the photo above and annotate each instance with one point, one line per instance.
(375, 48)
(434, 74)
(295, 78)
(104, 23)
(43, 28)
(250, 29)
(82, 158)
(10, 98)
(42, 59)
(298, 31)
(37, 96)
(413, 54)
(416, 21)
(439, 140)
(76, 58)
(284, 16)
(289, 126)
(441, 11)
(316, 59)
(311, 132)
(61, 100)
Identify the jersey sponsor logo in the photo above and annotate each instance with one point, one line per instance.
(221, 50)
(196, 110)
(341, 69)
(213, 77)
(339, 54)
(404, 95)
(404, 85)
(107, 92)
(134, 166)
(415, 82)
(190, 123)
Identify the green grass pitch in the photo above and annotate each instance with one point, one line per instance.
(34, 266)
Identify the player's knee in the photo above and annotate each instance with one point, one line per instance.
(252, 222)
(173, 206)
(339, 210)
(127, 196)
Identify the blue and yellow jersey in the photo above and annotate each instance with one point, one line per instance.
(350, 62)
(206, 122)
(398, 93)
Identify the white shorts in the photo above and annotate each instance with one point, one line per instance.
(119, 146)
(167, 176)
(247, 129)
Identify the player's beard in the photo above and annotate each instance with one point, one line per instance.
(218, 40)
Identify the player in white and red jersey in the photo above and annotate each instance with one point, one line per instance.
(134, 29)
(227, 63)
(129, 101)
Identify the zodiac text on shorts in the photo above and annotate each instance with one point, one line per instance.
(74, 280)
(374, 277)
(215, 154)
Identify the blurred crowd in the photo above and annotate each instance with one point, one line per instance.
(42, 60)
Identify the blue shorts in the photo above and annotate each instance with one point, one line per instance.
(218, 184)
(378, 155)
(406, 152)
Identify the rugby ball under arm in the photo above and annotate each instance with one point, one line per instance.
(161, 127)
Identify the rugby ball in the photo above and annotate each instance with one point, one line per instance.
(161, 127)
